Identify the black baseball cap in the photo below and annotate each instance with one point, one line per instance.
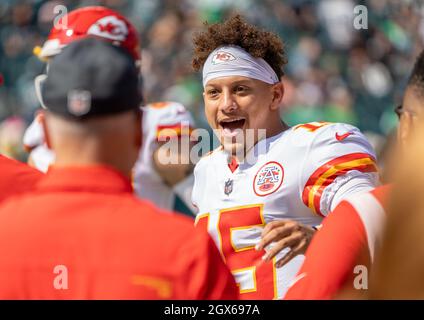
(91, 77)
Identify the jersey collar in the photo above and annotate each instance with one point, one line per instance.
(94, 178)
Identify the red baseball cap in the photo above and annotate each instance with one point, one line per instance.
(93, 21)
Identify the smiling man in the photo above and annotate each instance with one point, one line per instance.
(266, 190)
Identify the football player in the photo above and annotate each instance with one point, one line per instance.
(272, 192)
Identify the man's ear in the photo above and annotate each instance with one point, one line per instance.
(277, 95)
(42, 119)
(404, 129)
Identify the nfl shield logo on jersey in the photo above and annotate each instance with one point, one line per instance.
(268, 179)
(228, 187)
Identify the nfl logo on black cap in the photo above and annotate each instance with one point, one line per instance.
(228, 188)
(79, 102)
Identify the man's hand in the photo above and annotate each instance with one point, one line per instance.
(285, 234)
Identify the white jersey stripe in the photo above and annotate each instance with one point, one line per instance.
(372, 215)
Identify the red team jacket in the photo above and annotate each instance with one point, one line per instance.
(347, 238)
(16, 177)
(81, 234)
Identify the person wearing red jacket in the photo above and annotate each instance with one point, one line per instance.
(16, 177)
(341, 249)
(351, 233)
(82, 234)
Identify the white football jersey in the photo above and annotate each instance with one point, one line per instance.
(299, 174)
(34, 135)
(159, 119)
(42, 157)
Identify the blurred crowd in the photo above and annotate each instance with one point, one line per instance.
(335, 72)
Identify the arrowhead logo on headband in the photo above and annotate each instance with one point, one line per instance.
(233, 60)
(221, 57)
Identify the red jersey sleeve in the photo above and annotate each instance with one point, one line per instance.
(331, 256)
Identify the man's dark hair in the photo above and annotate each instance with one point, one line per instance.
(236, 31)
(416, 79)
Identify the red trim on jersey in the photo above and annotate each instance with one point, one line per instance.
(159, 105)
(173, 130)
(337, 165)
(311, 127)
(233, 165)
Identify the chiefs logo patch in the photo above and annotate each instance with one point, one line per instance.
(268, 179)
(109, 27)
(221, 57)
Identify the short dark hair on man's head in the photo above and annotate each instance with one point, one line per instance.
(416, 79)
(236, 31)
